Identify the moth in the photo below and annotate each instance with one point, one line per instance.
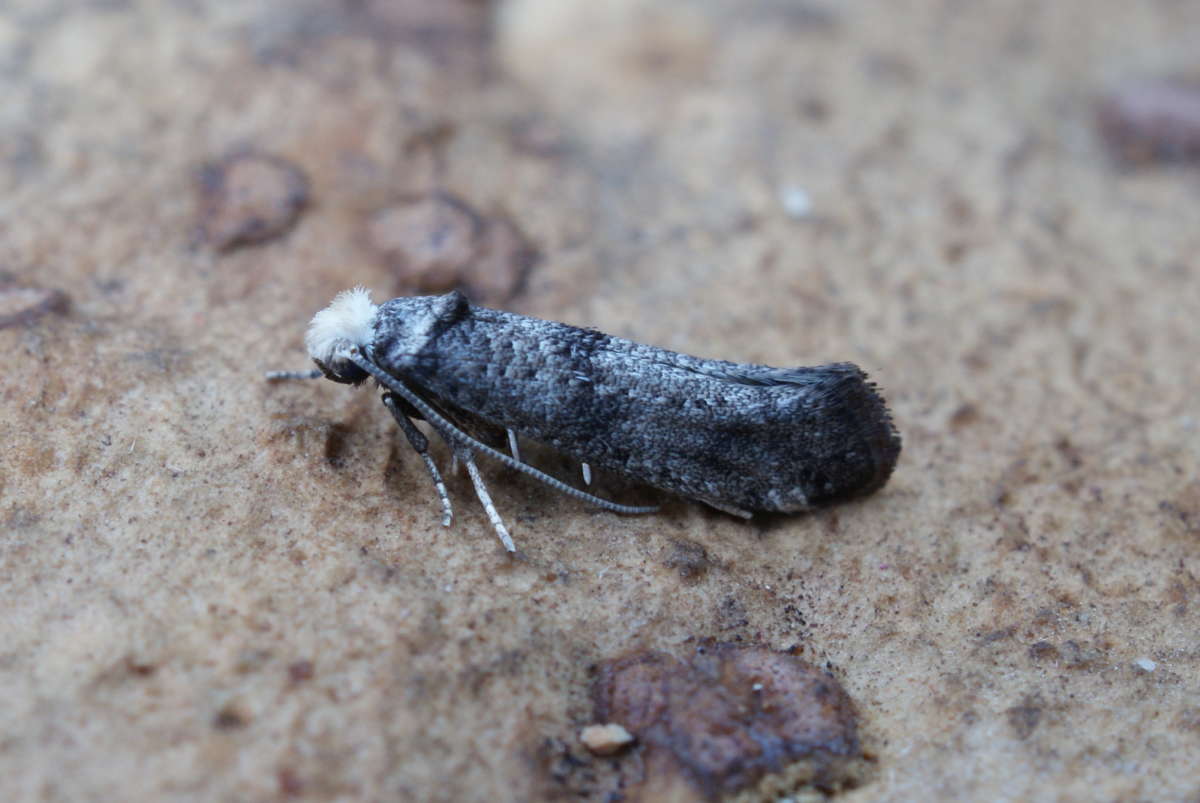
(740, 438)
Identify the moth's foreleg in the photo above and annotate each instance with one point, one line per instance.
(513, 448)
(485, 498)
(420, 445)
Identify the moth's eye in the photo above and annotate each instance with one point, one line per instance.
(342, 371)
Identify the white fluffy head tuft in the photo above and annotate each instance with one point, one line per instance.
(349, 319)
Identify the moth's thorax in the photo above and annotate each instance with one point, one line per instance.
(406, 327)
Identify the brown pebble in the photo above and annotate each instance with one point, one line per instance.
(604, 740)
(1152, 120)
(21, 306)
(438, 243)
(250, 198)
(429, 242)
(729, 718)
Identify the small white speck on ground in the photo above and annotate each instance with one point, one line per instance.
(797, 203)
(604, 740)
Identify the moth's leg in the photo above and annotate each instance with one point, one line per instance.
(420, 445)
(486, 500)
(587, 473)
(512, 445)
(730, 509)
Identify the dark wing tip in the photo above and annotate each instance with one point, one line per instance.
(862, 416)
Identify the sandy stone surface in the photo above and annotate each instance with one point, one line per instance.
(216, 588)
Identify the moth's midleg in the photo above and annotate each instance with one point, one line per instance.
(486, 500)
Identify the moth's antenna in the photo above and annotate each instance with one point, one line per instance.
(451, 432)
(313, 374)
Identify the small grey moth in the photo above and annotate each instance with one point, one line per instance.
(738, 437)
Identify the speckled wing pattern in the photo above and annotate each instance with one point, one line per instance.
(739, 437)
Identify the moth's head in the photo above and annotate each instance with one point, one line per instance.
(348, 321)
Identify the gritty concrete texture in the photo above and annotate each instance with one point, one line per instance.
(215, 588)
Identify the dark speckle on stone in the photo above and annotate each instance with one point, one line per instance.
(140, 669)
(1023, 719)
(1043, 651)
(687, 557)
(300, 671)
(336, 437)
(290, 784)
(964, 416)
(231, 717)
(21, 306)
